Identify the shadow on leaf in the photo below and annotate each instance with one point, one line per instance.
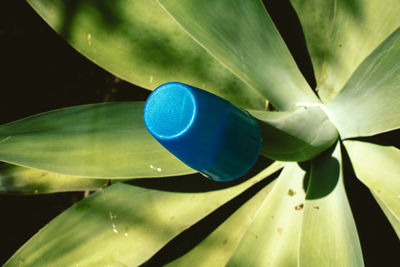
(391, 138)
(197, 182)
(191, 237)
(323, 175)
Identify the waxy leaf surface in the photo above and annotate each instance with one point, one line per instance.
(137, 41)
(369, 103)
(241, 35)
(340, 34)
(328, 234)
(295, 136)
(378, 167)
(106, 140)
(122, 225)
(20, 180)
(272, 238)
(219, 246)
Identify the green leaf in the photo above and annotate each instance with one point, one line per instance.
(378, 167)
(295, 136)
(340, 34)
(123, 225)
(20, 180)
(95, 141)
(273, 236)
(241, 35)
(369, 103)
(394, 221)
(138, 42)
(328, 234)
(218, 247)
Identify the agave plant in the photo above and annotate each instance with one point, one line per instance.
(232, 49)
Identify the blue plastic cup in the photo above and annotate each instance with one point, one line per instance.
(206, 132)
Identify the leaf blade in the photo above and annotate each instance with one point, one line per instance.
(295, 136)
(250, 46)
(276, 227)
(218, 247)
(20, 180)
(394, 221)
(329, 234)
(369, 102)
(342, 39)
(138, 42)
(380, 172)
(106, 140)
(122, 225)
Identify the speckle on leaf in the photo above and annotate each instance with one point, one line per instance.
(291, 192)
(112, 216)
(89, 37)
(299, 207)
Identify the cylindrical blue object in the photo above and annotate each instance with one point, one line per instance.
(206, 132)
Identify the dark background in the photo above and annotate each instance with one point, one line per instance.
(41, 72)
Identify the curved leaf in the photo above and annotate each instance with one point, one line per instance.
(340, 34)
(95, 141)
(369, 103)
(394, 221)
(20, 180)
(328, 234)
(378, 167)
(219, 246)
(242, 36)
(273, 236)
(137, 41)
(295, 136)
(123, 225)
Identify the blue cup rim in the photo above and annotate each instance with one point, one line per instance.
(189, 124)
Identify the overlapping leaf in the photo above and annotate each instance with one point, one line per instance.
(295, 136)
(137, 41)
(340, 34)
(125, 225)
(242, 36)
(272, 238)
(328, 234)
(122, 225)
(378, 167)
(20, 180)
(96, 141)
(394, 221)
(369, 103)
(219, 246)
